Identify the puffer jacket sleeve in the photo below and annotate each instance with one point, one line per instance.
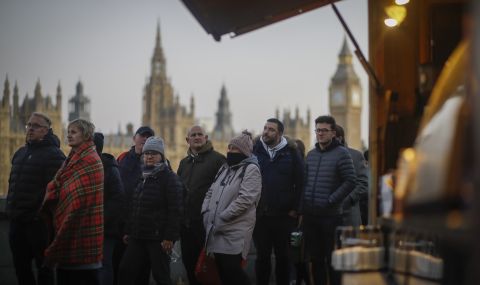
(54, 163)
(174, 204)
(249, 194)
(346, 173)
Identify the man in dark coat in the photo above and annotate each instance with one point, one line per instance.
(351, 204)
(113, 207)
(329, 178)
(33, 166)
(282, 182)
(197, 171)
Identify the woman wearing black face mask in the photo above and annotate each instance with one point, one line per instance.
(229, 210)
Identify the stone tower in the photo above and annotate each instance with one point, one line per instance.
(162, 110)
(297, 127)
(223, 130)
(79, 105)
(13, 120)
(345, 94)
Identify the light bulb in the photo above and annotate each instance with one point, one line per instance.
(401, 2)
(390, 22)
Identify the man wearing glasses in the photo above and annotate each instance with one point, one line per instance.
(33, 166)
(329, 178)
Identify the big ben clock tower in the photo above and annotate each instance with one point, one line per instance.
(346, 98)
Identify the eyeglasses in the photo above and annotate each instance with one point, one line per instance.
(322, 131)
(152, 153)
(34, 126)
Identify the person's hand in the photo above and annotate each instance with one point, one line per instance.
(125, 239)
(167, 246)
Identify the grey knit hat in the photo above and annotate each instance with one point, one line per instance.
(154, 144)
(244, 143)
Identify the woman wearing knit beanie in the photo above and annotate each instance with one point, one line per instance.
(154, 222)
(229, 210)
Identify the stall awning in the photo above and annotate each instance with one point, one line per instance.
(236, 17)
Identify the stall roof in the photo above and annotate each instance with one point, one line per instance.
(236, 17)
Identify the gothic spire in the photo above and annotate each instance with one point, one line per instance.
(345, 55)
(192, 105)
(59, 96)
(38, 90)
(223, 126)
(345, 71)
(6, 92)
(15, 98)
(158, 51)
(79, 88)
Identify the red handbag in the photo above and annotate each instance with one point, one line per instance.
(206, 270)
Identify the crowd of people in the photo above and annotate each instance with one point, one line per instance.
(88, 218)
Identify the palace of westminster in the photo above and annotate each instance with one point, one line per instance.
(167, 117)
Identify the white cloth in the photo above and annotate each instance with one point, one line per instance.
(272, 151)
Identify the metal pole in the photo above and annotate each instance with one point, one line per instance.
(358, 51)
(378, 90)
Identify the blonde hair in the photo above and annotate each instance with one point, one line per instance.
(87, 128)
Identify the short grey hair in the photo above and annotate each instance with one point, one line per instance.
(195, 126)
(87, 128)
(43, 116)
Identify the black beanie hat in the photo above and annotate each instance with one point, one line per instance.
(98, 140)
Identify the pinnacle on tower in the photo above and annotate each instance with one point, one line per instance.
(158, 51)
(38, 90)
(345, 55)
(6, 92)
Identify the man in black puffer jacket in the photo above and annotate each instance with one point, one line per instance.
(33, 166)
(282, 182)
(329, 178)
(113, 207)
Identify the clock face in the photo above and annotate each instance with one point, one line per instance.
(338, 98)
(356, 99)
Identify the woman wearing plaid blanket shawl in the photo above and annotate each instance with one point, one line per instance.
(74, 201)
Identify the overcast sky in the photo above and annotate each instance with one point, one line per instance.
(108, 44)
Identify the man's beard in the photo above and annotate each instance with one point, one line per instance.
(268, 141)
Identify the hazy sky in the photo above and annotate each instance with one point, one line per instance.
(108, 44)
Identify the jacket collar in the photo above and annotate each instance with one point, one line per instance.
(208, 146)
(331, 146)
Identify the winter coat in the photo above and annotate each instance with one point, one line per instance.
(156, 206)
(197, 173)
(113, 196)
(351, 206)
(130, 166)
(329, 178)
(282, 179)
(33, 166)
(74, 200)
(229, 208)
